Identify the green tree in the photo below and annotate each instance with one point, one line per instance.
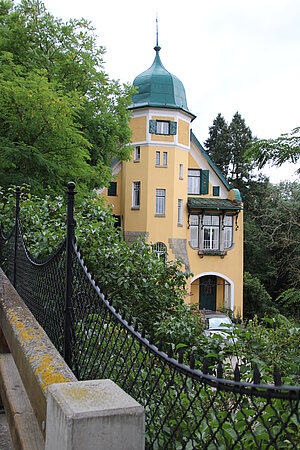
(240, 140)
(278, 216)
(257, 301)
(59, 110)
(276, 151)
(218, 144)
(227, 146)
(289, 303)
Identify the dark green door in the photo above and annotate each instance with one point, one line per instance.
(208, 292)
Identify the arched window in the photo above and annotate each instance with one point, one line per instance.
(161, 250)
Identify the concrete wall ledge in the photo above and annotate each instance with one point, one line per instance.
(70, 414)
(90, 415)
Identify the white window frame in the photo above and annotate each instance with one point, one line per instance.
(165, 159)
(136, 194)
(162, 127)
(227, 231)
(180, 212)
(137, 153)
(180, 171)
(157, 158)
(161, 251)
(194, 177)
(211, 232)
(218, 230)
(160, 202)
(194, 231)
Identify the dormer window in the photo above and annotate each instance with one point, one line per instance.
(198, 181)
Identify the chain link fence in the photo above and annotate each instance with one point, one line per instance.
(185, 408)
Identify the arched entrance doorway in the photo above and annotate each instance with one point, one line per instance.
(212, 290)
(208, 292)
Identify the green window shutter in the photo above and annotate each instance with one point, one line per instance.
(173, 127)
(152, 126)
(204, 181)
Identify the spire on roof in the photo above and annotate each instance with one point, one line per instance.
(157, 47)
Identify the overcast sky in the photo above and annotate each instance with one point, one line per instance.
(231, 55)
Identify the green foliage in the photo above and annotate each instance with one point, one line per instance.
(227, 146)
(259, 260)
(218, 144)
(257, 301)
(276, 151)
(270, 341)
(240, 140)
(277, 217)
(131, 276)
(289, 303)
(61, 117)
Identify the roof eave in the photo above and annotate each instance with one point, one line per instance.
(210, 162)
(157, 105)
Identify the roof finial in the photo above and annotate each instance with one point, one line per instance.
(157, 47)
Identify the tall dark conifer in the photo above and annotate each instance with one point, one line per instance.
(240, 141)
(218, 144)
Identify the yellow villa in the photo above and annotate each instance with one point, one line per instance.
(173, 195)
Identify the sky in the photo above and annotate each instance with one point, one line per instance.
(231, 55)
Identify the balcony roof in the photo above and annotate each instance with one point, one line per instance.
(212, 204)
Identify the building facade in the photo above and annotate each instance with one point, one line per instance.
(173, 195)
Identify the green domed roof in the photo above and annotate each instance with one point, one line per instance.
(159, 88)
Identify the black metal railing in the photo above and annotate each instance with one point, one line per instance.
(185, 408)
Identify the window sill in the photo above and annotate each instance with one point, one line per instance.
(136, 160)
(180, 225)
(135, 208)
(161, 167)
(159, 215)
(221, 253)
(180, 178)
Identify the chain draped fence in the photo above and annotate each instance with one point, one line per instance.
(185, 408)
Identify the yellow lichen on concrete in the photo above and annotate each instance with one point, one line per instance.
(48, 374)
(45, 368)
(25, 334)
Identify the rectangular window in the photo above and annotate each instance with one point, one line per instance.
(165, 159)
(162, 127)
(194, 229)
(136, 194)
(112, 190)
(216, 191)
(137, 153)
(160, 202)
(228, 231)
(198, 181)
(180, 212)
(181, 171)
(211, 229)
(157, 159)
(194, 181)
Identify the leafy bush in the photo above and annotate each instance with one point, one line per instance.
(289, 303)
(270, 341)
(130, 276)
(257, 301)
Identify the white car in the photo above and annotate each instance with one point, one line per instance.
(216, 323)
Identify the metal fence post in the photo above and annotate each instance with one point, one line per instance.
(18, 191)
(69, 275)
